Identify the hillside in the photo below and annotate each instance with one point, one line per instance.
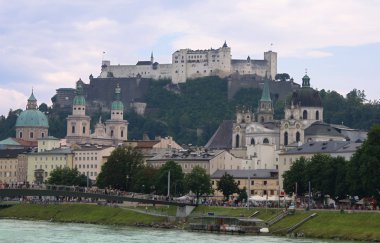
(192, 111)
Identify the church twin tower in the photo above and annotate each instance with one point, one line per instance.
(113, 132)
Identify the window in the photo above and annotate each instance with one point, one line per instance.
(265, 183)
(20, 134)
(31, 135)
(304, 115)
(317, 115)
(237, 140)
(286, 138)
(122, 133)
(111, 133)
(84, 129)
(298, 137)
(43, 135)
(73, 129)
(252, 141)
(266, 140)
(252, 182)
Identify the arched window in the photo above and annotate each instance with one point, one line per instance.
(20, 134)
(31, 135)
(304, 115)
(298, 137)
(266, 140)
(42, 135)
(84, 129)
(252, 141)
(237, 141)
(73, 129)
(111, 133)
(122, 133)
(317, 115)
(286, 138)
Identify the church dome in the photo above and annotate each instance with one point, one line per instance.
(306, 96)
(32, 118)
(79, 100)
(117, 105)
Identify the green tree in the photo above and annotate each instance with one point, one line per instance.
(145, 180)
(176, 179)
(43, 108)
(199, 182)
(121, 169)
(227, 185)
(282, 77)
(295, 177)
(364, 167)
(242, 195)
(68, 177)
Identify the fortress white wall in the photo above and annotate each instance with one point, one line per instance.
(189, 64)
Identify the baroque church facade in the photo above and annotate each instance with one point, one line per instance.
(113, 132)
(260, 139)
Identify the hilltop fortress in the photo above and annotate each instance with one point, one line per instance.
(188, 64)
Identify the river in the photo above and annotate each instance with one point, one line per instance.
(42, 231)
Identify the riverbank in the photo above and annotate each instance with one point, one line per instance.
(79, 213)
(361, 226)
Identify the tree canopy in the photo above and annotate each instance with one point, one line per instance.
(198, 181)
(68, 177)
(177, 186)
(364, 167)
(227, 185)
(121, 169)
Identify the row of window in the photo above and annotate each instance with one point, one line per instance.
(7, 173)
(88, 173)
(184, 166)
(47, 158)
(84, 153)
(31, 135)
(46, 166)
(92, 166)
(84, 158)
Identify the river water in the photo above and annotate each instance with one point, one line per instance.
(42, 231)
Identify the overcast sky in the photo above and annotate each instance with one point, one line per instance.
(47, 44)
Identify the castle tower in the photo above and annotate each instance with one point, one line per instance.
(116, 127)
(78, 124)
(151, 58)
(265, 110)
(31, 124)
(271, 58)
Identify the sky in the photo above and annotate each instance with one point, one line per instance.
(46, 45)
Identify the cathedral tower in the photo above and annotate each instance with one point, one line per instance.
(265, 109)
(78, 124)
(116, 127)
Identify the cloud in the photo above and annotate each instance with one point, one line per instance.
(12, 99)
(49, 46)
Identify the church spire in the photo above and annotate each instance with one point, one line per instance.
(151, 57)
(306, 81)
(32, 102)
(265, 96)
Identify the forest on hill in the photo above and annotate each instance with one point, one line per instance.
(192, 112)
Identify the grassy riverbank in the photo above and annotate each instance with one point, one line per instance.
(78, 213)
(363, 226)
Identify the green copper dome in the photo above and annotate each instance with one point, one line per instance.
(117, 105)
(79, 100)
(32, 118)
